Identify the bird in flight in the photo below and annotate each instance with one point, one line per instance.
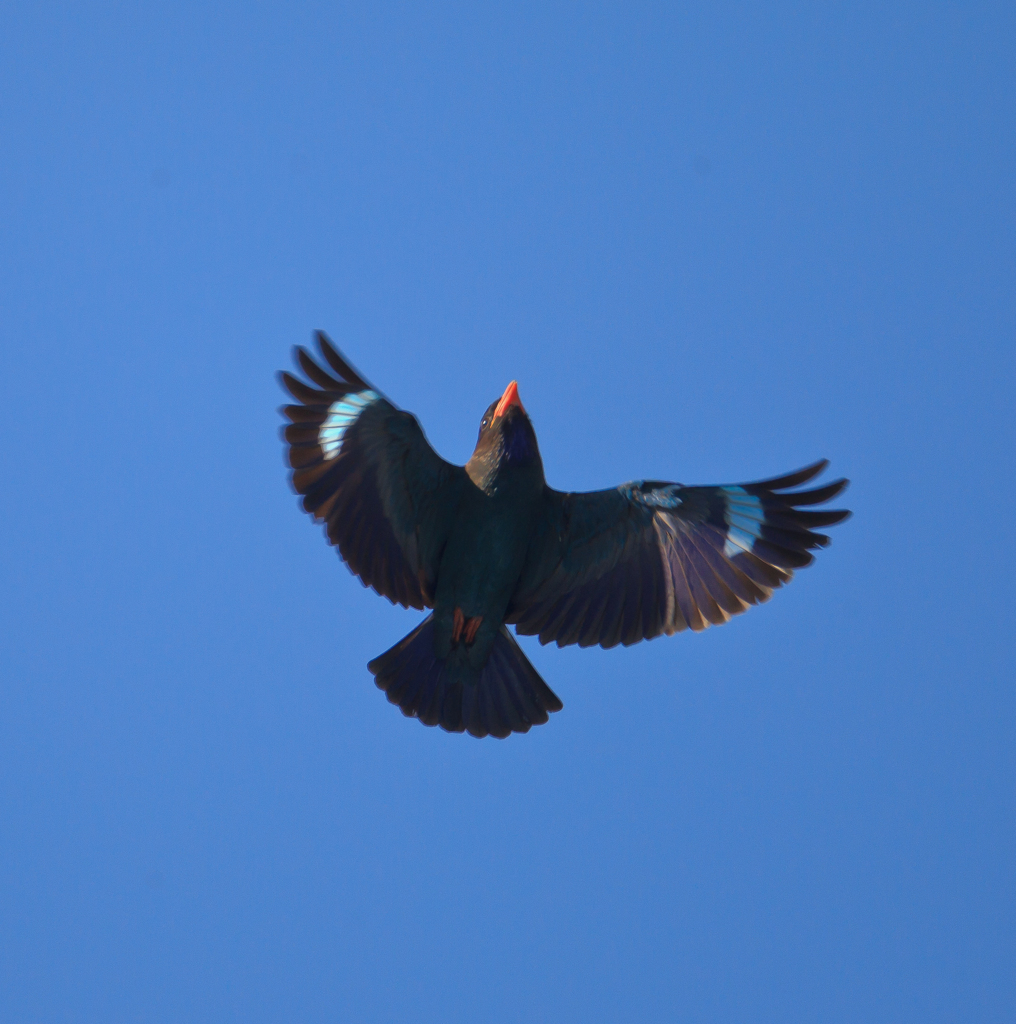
(490, 544)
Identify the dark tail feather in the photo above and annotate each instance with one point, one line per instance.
(506, 696)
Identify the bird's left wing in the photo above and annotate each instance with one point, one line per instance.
(366, 470)
(650, 557)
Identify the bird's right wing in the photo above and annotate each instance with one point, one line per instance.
(650, 557)
(366, 470)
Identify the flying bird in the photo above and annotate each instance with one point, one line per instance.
(490, 544)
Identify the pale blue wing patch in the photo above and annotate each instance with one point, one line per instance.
(744, 518)
(341, 416)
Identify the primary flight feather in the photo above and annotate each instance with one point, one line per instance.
(489, 544)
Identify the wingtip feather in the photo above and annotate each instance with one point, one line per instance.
(338, 362)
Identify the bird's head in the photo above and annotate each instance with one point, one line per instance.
(506, 436)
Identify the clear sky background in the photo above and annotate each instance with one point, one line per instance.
(713, 243)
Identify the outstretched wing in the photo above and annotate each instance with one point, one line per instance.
(365, 469)
(651, 557)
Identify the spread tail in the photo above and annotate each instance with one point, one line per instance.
(506, 696)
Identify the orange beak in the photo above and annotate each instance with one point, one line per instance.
(510, 397)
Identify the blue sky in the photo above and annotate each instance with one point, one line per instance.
(711, 245)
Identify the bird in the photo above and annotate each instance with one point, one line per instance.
(491, 544)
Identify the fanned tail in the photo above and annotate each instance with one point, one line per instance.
(506, 696)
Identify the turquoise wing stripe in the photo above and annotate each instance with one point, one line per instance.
(744, 517)
(341, 416)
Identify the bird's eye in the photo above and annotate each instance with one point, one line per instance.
(483, 425)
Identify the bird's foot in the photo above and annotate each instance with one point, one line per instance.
(463, 628)
(472, 626)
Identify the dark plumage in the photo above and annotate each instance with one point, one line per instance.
(490, 543)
